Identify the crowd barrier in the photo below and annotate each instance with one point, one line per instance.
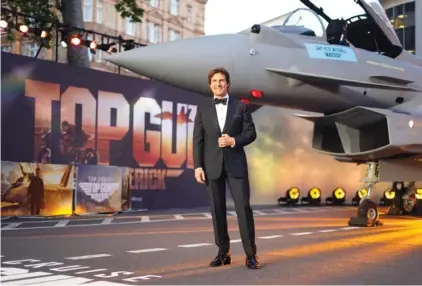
(63, 190)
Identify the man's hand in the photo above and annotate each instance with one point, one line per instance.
(225, 141)
(200, 175)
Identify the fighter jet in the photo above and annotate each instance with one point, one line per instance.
(355, 74)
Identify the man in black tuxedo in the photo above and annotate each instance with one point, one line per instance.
(223, 126)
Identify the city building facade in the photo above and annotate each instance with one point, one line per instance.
(406, 18)
(163, 21)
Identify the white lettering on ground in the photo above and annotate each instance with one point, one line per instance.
(145, 277)
(22, 276)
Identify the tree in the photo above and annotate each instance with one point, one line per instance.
(67, 12)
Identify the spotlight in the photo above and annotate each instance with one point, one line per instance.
(417, 208)
(93, 45)
(75, 41)
(63, 44)
(359, 195)
(313, 197)
(24, 28)
(3, 24)
(388, 197)
(338, 197)
(418, 194)
(292, 196)
(40, 32)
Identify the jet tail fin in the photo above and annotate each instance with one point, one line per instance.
(318, 79)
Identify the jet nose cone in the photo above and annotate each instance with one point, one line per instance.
(184, 63)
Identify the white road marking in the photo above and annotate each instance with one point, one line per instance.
(259, 213)
(11, 225)
(301, 233)
(102, 222)
(178, 216)
(301, 210)
(61, 223)
(194, 245)
(88, 256)
(146, 250)
(281, 212)
(327, 230)
(235, 240)
(107, 220)
(271, 236)
(349, 228)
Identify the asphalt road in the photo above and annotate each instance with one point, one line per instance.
(305, 247)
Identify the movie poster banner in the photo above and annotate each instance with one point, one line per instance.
(152, 189)
(98, 189)
(36, 189)
(54, 113)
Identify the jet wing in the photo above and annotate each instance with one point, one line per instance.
(335, 81)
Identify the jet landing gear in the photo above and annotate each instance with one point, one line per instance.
(368, 214)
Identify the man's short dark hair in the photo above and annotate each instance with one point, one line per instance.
(218, 70)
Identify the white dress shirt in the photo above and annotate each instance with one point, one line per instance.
(221, 110)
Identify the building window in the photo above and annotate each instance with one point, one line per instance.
(130, 27)
(88, 10)
(99, 11)
(173, 35)
(32, 50)
(174, 7)
(89, 51)
(189, 13)
(153, 32)
(402, 18)
(409, 38)
(154, 3)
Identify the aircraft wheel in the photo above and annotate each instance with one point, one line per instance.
(368, 209)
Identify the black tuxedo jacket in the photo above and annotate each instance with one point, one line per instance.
(206, 152)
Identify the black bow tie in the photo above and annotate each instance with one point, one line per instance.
(222, 101)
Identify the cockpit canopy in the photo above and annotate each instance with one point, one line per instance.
(300, 30)
(370, 30)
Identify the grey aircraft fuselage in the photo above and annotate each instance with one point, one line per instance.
(249, 58)
(367, 100)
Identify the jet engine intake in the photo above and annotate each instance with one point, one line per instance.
(366, 134)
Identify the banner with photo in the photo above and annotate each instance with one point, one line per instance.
(98, 189)
(158, 189)
(54, 113)
(36, 189)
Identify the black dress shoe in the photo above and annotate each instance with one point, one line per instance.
(220, 260)
(252, 262)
